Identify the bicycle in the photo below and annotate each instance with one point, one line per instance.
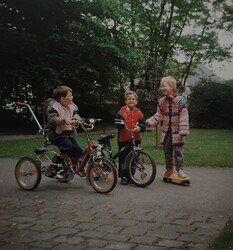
(100, 172)
(141, 166)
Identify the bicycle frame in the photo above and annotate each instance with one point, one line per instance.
(89, 151)
(122, 150)
(131, 144)
(140, 165)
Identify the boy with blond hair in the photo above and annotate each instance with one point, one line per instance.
(134, 120)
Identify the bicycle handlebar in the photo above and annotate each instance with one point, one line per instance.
(122, 122)
(91, 123)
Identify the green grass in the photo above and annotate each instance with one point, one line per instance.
(203, 147)
(225, 240)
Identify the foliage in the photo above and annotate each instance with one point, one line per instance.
(210, 105)
(97, 47)
(67, 44)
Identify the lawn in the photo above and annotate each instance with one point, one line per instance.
(204, 147)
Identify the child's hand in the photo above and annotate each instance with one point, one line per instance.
(120, 122)
(60, 121)
(182, 137)
(137, 129)
(72, 123)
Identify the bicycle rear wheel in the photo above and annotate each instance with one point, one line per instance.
(27, 173)
(141, 168)
(102, 175)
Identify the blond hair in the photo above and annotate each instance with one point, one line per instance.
(130, 92)
(170, 81)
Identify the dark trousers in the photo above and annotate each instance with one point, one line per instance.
(122, 170)
(68, 146)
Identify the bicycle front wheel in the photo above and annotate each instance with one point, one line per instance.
(141, 168)
(27, 173)
(102, 175)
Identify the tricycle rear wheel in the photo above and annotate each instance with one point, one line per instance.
(27, 173)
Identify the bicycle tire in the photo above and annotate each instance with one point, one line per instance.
(141, 168)
(27, 173)
(102, 175)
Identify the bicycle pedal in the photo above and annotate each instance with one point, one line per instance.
(82, 174)
(143, 175)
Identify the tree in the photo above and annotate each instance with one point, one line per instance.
(97, 46)
(60, 42)
(161, 31)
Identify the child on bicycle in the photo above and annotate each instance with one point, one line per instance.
(62, 118)
(172, 114)
(131, 118)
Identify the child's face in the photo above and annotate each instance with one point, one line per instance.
(131, 101)
(166, 89)
(67, 100)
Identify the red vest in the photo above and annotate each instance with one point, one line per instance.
(131, 118)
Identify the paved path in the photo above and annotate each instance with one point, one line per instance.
(73, 216)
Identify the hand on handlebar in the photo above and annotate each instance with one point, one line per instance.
(72, 123)
(60, 121)
(119, 121)
(76, 122)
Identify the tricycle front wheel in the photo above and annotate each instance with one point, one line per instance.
(102, 175)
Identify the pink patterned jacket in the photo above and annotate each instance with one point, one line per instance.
(176, 117)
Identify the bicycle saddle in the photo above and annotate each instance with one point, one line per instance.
(39, 151)
(104, 138)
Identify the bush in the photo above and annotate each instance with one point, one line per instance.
(210, 106)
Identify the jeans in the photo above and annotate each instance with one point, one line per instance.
(68, 146)
(168, 149)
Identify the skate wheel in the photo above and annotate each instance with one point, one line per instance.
(166, 179)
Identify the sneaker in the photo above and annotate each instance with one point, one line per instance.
(81, 174)
(60, 175)
(57, 159)
(124, 181)
(77, 160)
(181, 174)
(168, 173)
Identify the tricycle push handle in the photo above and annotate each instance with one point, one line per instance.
(31, 111)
